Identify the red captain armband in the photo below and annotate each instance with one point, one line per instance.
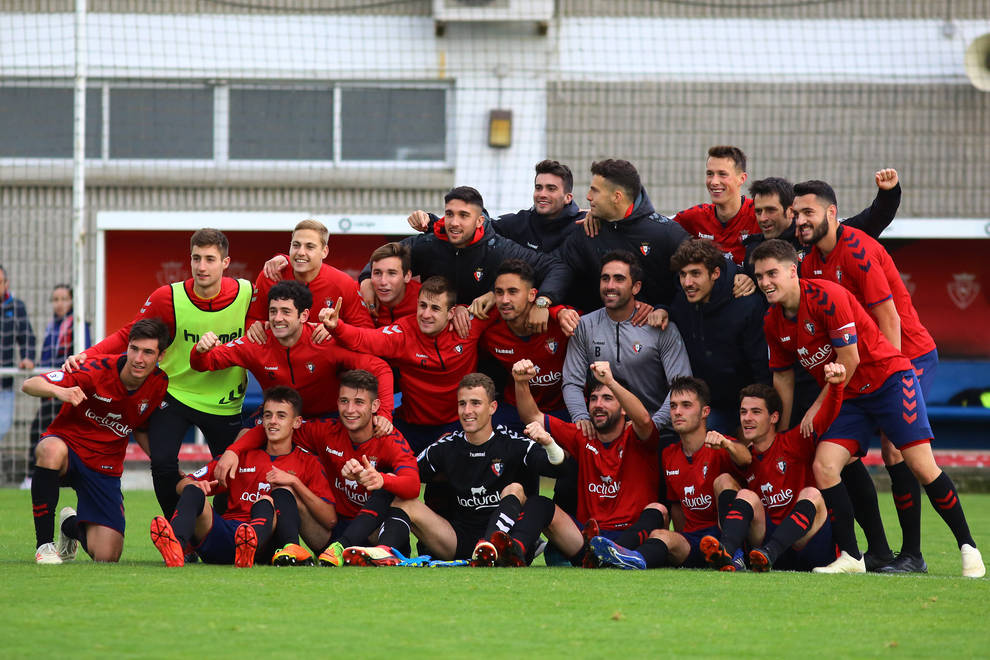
(844, 336)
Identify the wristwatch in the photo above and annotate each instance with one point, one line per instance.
(542, 302)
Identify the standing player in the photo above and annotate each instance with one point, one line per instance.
(274, 493)
(207, 302)
(618, 473)
(358, 463)
(105, 400)
(289, 356)
(780, 511)
(842, 254)
(696, 470)
(814, 322)
(629, 222)
(729, 219)
(485, 468)
(396, 292)
(304, 263)
(431, 360)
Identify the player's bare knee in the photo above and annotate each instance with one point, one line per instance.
(827, 473)
(921, 461)
(750, 497)
(813, 495)
(724, 481)
(51, 453)
(515, 489)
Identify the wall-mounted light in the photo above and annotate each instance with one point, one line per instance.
(500, 129)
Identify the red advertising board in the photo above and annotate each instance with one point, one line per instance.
(138, 262)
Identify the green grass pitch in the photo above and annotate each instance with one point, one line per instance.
(138, 608)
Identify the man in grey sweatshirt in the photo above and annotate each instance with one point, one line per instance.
(645, 359)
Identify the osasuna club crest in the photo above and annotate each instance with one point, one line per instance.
(328, 302)
(459, 348)
(637, 347)
(782, 466)
(478, 274)
(142, 406)
(644, 248)
(810, 327)
(310, 367)
(552, 346)
(497, 466)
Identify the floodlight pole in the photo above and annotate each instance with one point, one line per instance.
(79, 183)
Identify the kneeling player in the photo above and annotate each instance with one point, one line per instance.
(366, 470)
(697, 470)
(276, 490)
(786, 531)
(105, 400)
(491, 519)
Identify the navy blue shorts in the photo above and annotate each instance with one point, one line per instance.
(100, 499)
(819, 551)
(897, 408)
(218, 546)
(925, 366)
(695, 558)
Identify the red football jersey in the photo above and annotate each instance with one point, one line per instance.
(828, 317)
(546, 350)
(99, 428)
(405, 307)
(159, 305)
(430, 368)
(309, 368)
(863, 266)
(616, 480)
(328, 285)
(778, 474)
(702, 221)
(327, 439)
(252, 470)
(690, 482)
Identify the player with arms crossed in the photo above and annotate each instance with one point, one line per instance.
(277, 491)
(780, 512)
(814, 322)
(105, 400)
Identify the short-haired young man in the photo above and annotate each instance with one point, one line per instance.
(304, 264)
(645, 358)
(211, 401)
(696, 470)
(105, 400)
(491, 519)
(289, 356)
(729, 219)
(723, 335)
(396, 292)
(359, 464)
(629, 222)
(779, 512)
(815, 321)
(276, 491)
